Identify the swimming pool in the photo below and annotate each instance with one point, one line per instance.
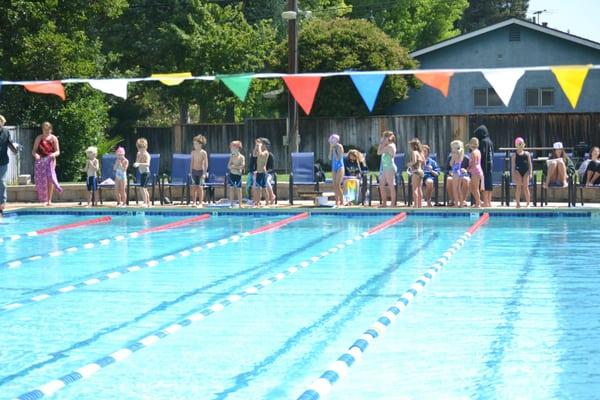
(223, 309)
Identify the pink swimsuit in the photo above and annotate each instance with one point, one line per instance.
(475, 168)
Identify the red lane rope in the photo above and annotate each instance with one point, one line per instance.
(279, 224)
(392, 221)
(101, 220)
(482, 220)
(175, 224)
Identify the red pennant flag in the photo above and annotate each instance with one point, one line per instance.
(304, 89)
(437, 80)
(48, 87)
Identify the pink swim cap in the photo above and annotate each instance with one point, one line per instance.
(519, 141)
(333, 139)
(120, 150)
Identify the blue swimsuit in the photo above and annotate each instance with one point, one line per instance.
(337, 164)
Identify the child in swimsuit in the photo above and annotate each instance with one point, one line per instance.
(142, 163)
(522, 169)
(416, 163)
(387, 151)
(476, 171)
(336, 155)
(91, 170)
(458, 173)
(120, 168)
(198, 170)
(262, 156)
(236, 165)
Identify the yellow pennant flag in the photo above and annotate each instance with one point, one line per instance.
(172, 79)
(571, 81)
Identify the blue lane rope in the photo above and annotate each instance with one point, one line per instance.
(339, 368)
(90, 369)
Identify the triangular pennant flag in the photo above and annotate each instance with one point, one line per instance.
(304, 89)
(571, 81)
(504, 81)
(172, 79)
(238, 84)
(368, 86)
(437, 80)
(47, 87)
(116, 87)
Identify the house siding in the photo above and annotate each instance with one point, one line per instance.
(494, 50)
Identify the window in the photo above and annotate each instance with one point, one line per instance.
(539, 97)
(486, 98)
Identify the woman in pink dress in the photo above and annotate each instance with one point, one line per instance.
(45, 150)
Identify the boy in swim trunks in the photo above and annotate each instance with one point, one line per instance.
(198, 170)
(262, 156)
(91, 170)
(236, 165)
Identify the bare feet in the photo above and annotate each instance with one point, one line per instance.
(518, 205)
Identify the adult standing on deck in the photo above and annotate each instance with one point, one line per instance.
(45, 150)
(486, 147)
(5, 144)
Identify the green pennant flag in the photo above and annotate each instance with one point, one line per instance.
(238, 84)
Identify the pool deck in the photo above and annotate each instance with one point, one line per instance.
(67, 207)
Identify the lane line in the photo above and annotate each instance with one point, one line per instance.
(16, 263)
(58, 228)
(148, 263)
(88, 370)
(339, 368)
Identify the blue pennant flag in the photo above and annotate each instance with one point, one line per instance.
(368, 86)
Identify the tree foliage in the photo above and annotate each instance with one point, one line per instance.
(415, 23)
(482, 13)
(343, 44)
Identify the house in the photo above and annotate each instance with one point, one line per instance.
(511, 43)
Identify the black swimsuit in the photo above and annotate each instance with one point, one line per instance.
(522, 163)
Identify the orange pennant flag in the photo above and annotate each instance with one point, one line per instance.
(47, 87)
(437, 80)
(304, 89)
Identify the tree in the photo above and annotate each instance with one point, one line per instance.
(342, 44)
(51, 40)
(482, 13)
(415, 23)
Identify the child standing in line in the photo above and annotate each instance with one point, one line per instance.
(91, 169)
(475, 171)
(120, 168)
(198, 170)
(458, 173)
(387, 151)
(522, 169)
(416, 163)
(336, 155)
(236, 165)
(142, 163)
(262, 156)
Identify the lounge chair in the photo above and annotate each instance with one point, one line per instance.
(152, 179)
(399, 160)
(179, 178)
(500, 175)
(217, 174)
(303, 173)
(106, 172)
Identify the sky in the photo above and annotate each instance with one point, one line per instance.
(578, 17)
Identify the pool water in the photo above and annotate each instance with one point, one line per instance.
(514, 314)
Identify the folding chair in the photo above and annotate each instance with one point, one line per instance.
(106, 172)
(303, 173)
(180, 177)
(217, 174)
(152, 178)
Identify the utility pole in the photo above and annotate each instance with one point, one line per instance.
(293, 131)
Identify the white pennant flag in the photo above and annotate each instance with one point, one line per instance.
(117, 87)
(504, 81)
